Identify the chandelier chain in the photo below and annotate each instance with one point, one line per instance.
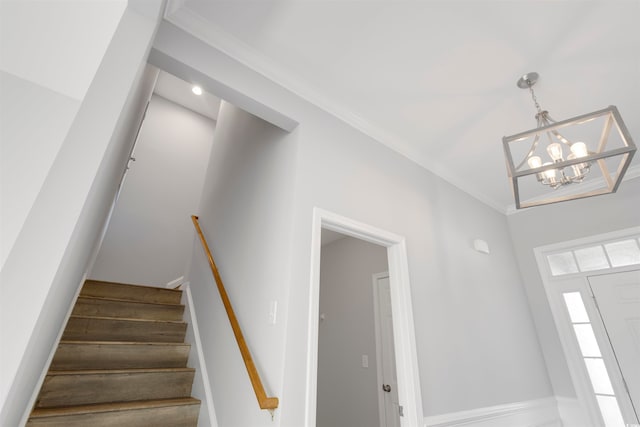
(535, 100)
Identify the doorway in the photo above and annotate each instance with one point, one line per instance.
(617, 297)
(593, 288)
(348, 389)
(409, 393)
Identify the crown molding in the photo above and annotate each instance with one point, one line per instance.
(179, 14)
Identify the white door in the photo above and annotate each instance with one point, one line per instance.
(387, 379)
(618, 300)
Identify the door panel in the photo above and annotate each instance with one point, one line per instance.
(389, 378)
(618, 300)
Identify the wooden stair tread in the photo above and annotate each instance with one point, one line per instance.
(71, 388)
(101, 298)
(126, 319)
(81, 355)
(112, 407)
(99, 328)
(118, 371)
(127, 309)
(158, 343)
(122, 361)
(130, 292)
(106, 282)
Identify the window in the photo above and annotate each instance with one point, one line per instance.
(611, 254)
(594, 363)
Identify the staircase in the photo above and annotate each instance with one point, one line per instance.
(122, 361)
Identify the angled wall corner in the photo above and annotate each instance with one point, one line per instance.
(54, 248)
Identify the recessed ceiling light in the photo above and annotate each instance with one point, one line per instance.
(197, 90)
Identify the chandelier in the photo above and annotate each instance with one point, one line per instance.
(570, 159)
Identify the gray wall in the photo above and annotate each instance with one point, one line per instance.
(245, 213)
(347, 392)
(150, 233)
(475, 337)
(556, 223)
(476, 341)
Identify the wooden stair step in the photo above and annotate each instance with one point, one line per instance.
(96, 288)
(108, 307)
(158, 413)
(89, 328)
(71, 388)
(75, 355)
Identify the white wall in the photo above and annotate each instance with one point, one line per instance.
(347, 392)
(245, 214)
(150, 234)
(35, 121)
(42, 82)
(54, 248)
(544, 225)
(476, 340)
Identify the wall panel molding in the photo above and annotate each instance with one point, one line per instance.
(530, 413)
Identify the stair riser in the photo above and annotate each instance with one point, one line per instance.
(88, 329)
(128, 310)
(119, 356)
(86, 389)
(174, 416)
(131, 292)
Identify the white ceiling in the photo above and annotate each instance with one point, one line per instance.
(176, 90)
(436, 80)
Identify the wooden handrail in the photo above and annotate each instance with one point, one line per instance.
(269, 403)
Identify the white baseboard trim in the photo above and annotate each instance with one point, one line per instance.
(572, 412)
(175, 283)
(531, 413)
(198, 362)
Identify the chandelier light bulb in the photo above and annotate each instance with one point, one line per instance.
(576, 169)
(534, 162)
(579, 149)
(555, 151)
(549, 174)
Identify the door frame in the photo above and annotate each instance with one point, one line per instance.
(554, 287)
(409, 391)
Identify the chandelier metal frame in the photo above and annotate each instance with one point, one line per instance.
(572, 170)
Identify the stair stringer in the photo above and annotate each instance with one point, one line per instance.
(201, 388)
(45, 369)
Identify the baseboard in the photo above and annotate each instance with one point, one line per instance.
(531, 413)
(175, 283)
(201, 385)
(572, 412)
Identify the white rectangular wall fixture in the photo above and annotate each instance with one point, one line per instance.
(481, 246)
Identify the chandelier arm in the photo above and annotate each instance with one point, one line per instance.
(549, 136)
(561, 138)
